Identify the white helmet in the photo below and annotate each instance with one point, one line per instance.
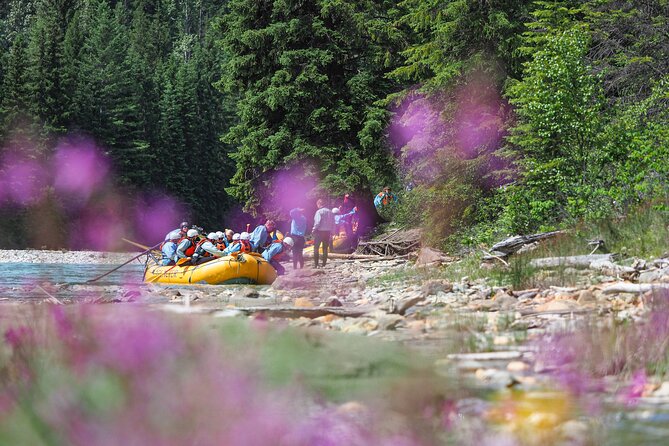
(244, 236)
(289, 241)
(192, 233)
(174, 235)
(235, 237)
(335, 210)
(219, 234)
(212, 236)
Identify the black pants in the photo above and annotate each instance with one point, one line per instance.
(321, 238)
(280, 270)
(298, 247)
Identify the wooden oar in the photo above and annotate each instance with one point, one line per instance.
(136, 257)
(138, 245)
(180, 262)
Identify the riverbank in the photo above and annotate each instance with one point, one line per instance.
(64, 256)
(485, 332)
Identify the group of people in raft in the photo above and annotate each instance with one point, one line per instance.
(187, 242)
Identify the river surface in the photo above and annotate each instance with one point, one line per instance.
(23, 280)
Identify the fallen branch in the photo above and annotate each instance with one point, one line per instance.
(310, 312)
(369, 257)
(486, 356)
(492, 256)
(513, 244)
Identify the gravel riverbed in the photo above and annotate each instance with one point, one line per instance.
(64, 256)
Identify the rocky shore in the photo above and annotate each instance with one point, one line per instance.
(483, 331)
(478, 329)
(64, 256)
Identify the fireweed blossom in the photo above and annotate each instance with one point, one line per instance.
(127, 375)
(580, 360)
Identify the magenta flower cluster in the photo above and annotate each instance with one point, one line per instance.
(86, 375)
(631, 352)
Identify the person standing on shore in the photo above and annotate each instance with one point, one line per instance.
(323, 226)
(298, 229)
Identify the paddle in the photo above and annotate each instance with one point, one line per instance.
(136, 257)
(138, 245)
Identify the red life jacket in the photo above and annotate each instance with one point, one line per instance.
(198, 249)
(220, 246)
(245, 246)
(190, 250)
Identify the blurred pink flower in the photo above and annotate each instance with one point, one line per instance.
(630, 394)
(17, 336)
(79, 168)
(155, 217)
(289, 188)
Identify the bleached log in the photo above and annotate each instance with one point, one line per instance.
(486, 356)
(584, 261)
(634, 288)
(513, 244)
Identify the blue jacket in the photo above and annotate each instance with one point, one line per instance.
(258, 237)
(233, 247)
(339, 218)
(169, 250)
(180, 252)
(272, 250)
(298, 226)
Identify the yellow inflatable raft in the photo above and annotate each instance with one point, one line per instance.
(244, 268)
(339, 242)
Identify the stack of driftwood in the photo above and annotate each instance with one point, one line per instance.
(396, 243)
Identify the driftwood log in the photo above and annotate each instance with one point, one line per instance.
(395, 243)
(309, 312)
(514, 244)
(634, 288)
(354, 256)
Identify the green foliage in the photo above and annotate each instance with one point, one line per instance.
(557, 136)
(137, 76)
(453, 38)
(309, 76)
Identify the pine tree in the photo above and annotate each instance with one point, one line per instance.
(45, 53)
(16, 96)
(308, 75)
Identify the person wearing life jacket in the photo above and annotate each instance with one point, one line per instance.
(240, 244)
(344, 220)
(245, 242)
(187, 245)
(169, 248)
(260, 235)
(183, 229)
(234, 246)
(221, 241)
(384, 198)
(206, 250)
(275, 252)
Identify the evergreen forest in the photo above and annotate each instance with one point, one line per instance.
(486, 117)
